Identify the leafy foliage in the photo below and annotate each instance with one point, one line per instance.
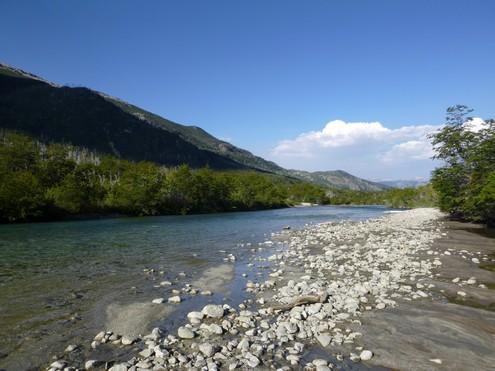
(40, 181)
(466, 183)
(422, 196)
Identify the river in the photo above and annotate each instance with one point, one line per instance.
(60, 282)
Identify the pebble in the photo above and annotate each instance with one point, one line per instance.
(158, 301)
(252, 360)
(185, 333)
(91, 364)
(366, 355)
(213, 311)
(436, 360)
(174, 299)
(324, 339)
(128, 340)
(195, 316)
(71, 348)
(119, 367)
(60, 364)
(207, 349)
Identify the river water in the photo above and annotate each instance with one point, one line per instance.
(58, 281)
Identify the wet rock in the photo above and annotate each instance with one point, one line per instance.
(158, 301)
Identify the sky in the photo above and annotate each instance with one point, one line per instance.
(312, 85)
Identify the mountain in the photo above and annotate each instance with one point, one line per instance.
(87, 118)
(108, 125)
(404, 183)
(338, 179)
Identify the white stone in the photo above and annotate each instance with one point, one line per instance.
(174, 299)
(252, 360)
(195, 316)
(185, 333)
(128, 340)
(91, 364)
(213, 311)
(324, 339)
(366, 355)
(207, 349)
(436, 360)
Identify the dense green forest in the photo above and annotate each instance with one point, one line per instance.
(465, 184)
(41, 181)
(423, 196)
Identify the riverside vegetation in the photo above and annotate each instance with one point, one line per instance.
(466, 182)
(40, 181)
(50, 181)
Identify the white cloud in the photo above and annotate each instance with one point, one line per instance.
(367, 149)
(410, 150)
(476, 124)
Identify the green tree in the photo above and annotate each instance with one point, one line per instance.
(464, 183)
(138, 190)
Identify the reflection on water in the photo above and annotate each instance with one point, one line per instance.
(53, 275)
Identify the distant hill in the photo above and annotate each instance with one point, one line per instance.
(108, 125)
(404, 183)
(338, 179)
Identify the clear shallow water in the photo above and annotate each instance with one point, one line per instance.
(51, 272)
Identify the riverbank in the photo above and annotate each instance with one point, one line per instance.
(62, 282)
(354, 295)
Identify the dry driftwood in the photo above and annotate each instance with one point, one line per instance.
(302, 300)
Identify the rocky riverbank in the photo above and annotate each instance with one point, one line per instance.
(324, 304)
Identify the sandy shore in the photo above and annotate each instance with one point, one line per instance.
(404, 291)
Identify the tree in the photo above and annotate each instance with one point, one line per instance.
(464, 183)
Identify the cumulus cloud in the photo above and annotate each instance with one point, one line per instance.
(368, 149)
(476, 124)
(410, 150)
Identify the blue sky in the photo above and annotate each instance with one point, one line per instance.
(269, 75)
